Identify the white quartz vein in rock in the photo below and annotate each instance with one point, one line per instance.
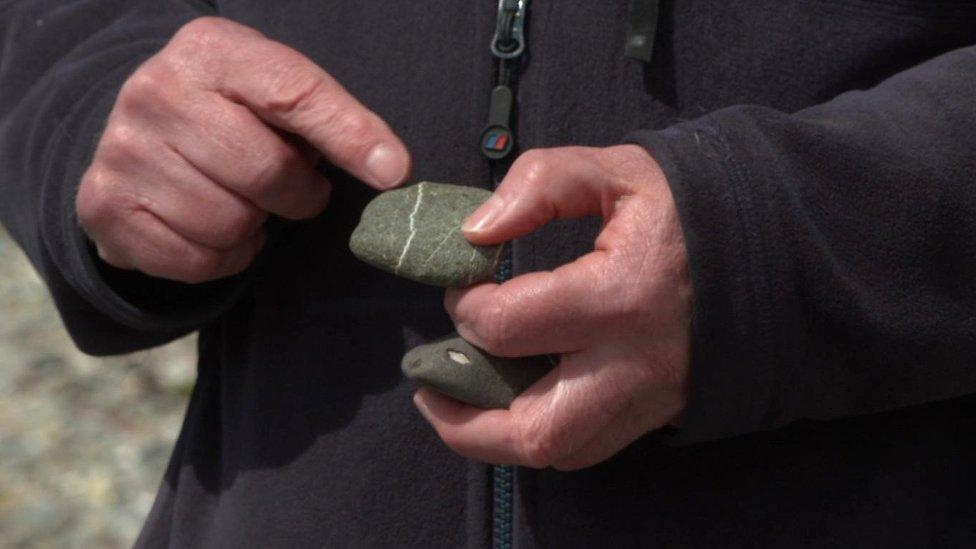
(413, 228)
(437, 249)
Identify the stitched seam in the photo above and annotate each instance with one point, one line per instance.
(758, 291)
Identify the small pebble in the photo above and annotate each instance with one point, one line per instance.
(456, 368)
(415, 232)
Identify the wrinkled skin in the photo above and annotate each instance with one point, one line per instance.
(223, 127)
(618, 317)
(219, 129)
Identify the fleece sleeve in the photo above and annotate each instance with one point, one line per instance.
(832, 251)
(62, 63)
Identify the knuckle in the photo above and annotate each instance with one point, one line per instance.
(139, 89)
(119, 145)
(123, 150)
(351, 123)
(200, 47)
(536, 165)
(493, 328)
(96, 202)
(536, 443)
(153, 89)
(292, 89)
(270, 170)
(202, 31)
(354, 128)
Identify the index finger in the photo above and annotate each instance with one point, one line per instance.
(287, 90)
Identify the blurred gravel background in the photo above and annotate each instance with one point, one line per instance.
(83, 441)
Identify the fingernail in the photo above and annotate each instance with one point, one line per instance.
(484, 216)
(387, 164)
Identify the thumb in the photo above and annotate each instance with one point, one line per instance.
(542, 185)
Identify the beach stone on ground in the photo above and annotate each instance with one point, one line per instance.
(415, 232)
(84, 441)
(462, 371)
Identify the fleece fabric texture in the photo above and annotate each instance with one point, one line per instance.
(822, 157)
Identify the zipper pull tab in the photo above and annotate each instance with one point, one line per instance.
(509, 39)
(497, 139)
(642, 24)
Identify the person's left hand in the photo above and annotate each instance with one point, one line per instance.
(619, 317)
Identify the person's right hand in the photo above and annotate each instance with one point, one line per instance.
(193, 157)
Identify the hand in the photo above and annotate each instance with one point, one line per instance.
(193, 158)
(619, 317)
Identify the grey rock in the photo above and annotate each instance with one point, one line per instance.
(415, 232)
(462, 371)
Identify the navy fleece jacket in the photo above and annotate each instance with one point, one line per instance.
(823, 164)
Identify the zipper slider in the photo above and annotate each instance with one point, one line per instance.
(509, 39)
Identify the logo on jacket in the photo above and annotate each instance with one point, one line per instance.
(496, 142)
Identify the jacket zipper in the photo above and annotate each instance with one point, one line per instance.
(497, 144)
